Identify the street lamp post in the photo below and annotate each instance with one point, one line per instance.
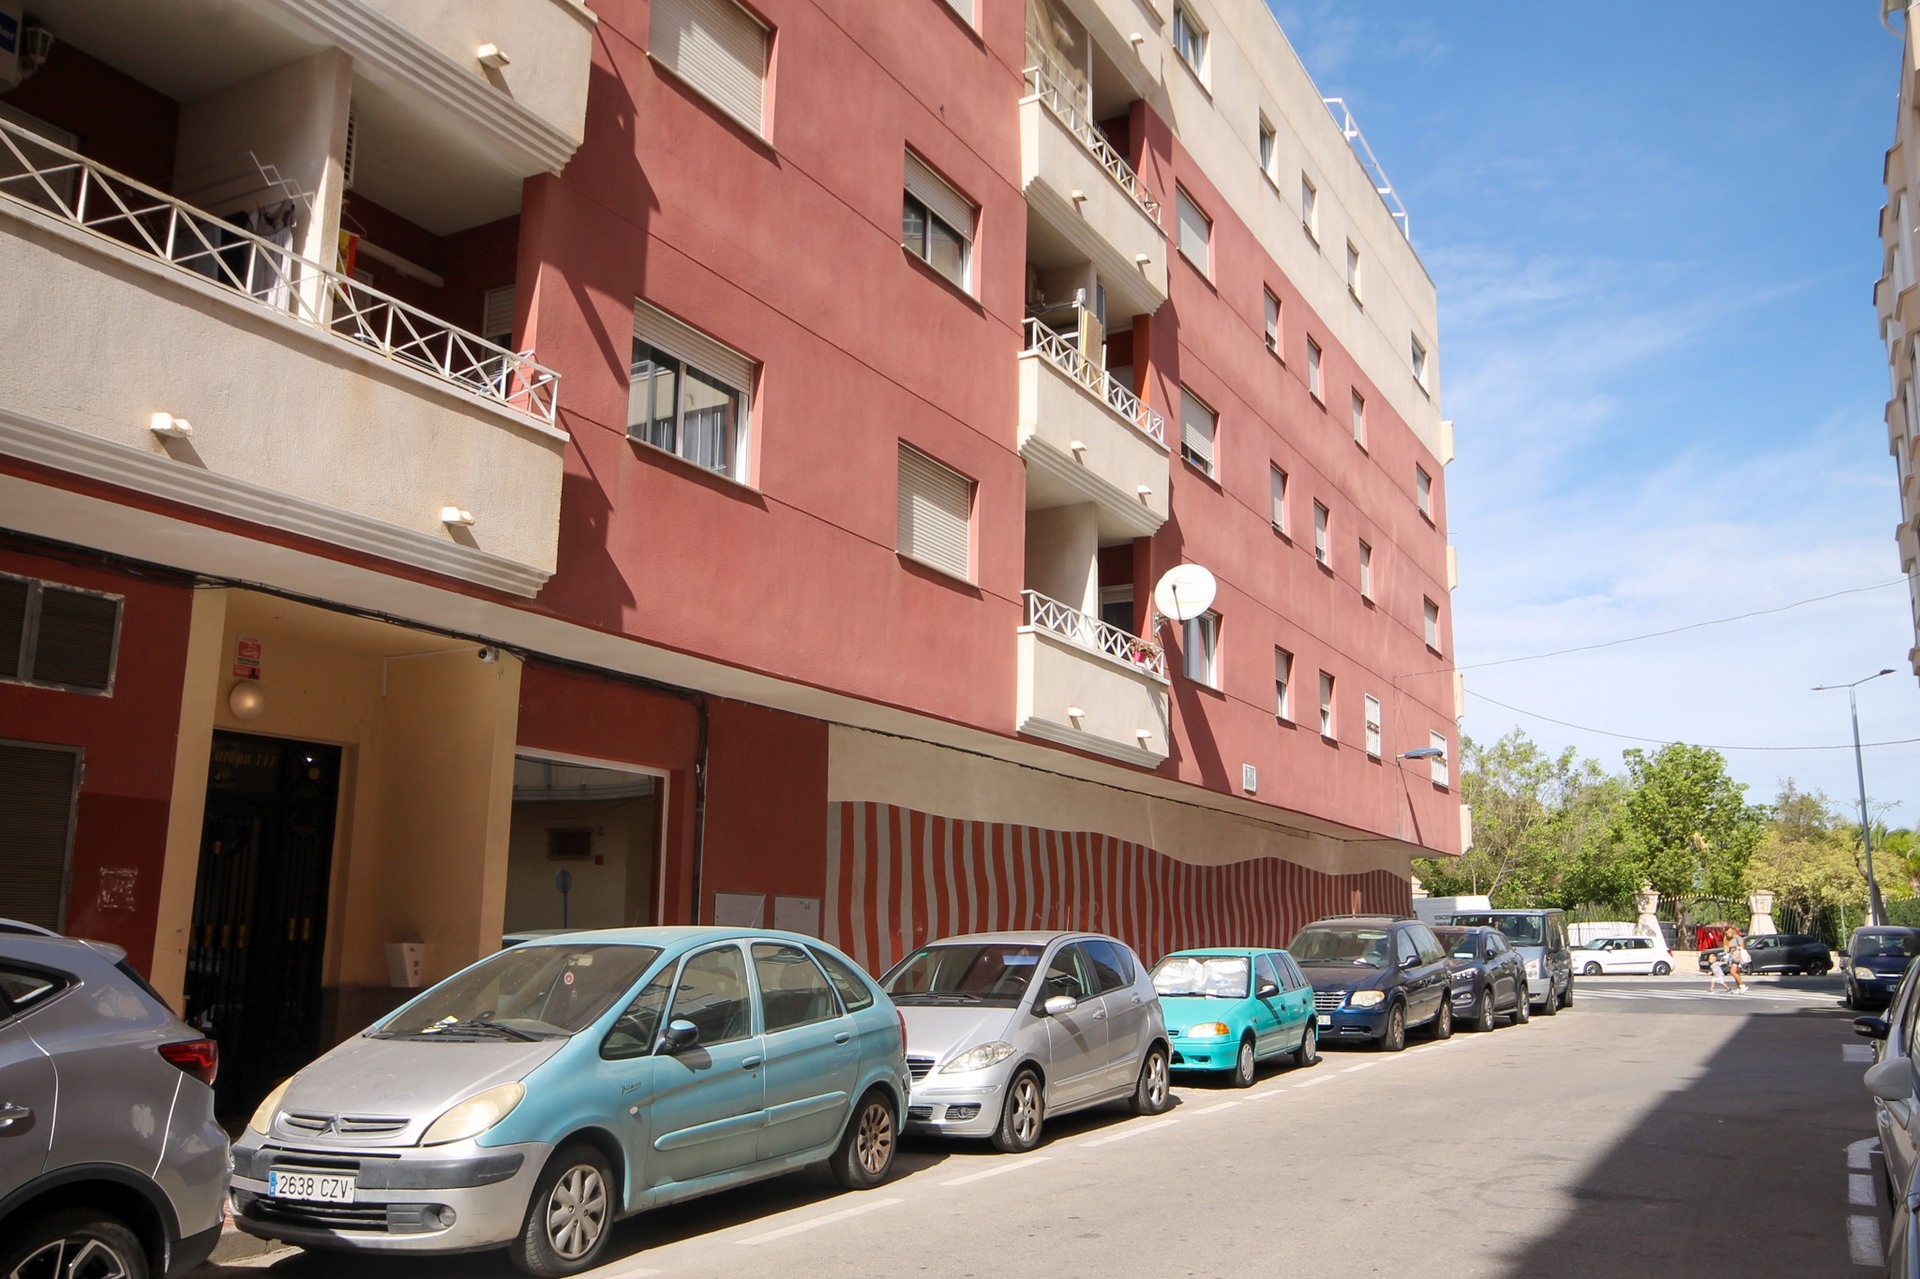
(1876, 908)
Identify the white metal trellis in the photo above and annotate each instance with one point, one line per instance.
(1086, 631)
(1064, 355)
(1049, 85)
(1350, 130)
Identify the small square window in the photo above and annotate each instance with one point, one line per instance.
(1359, 419)
(1200, 649)
(1268, 139)
(1190, 40)
(1277, 486)
(1353, 271)
(1196, 233)
(1366, 571)
(934, 514)
(1313, 370)
(937, 223)
(1423, 491)
(1437, 767)
(1282, 678)
(1326, 705)
(1198, 425)
(1418, 354)
(1310, 207)
(1431, 623)
(1373, 726)
(1272, 321)
(1320, 519)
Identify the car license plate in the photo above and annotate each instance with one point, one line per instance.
(323, 1187)
(1324, 1019)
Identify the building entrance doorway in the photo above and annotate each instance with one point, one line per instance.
(260, 910)
(594, 829)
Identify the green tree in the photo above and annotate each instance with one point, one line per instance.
(1684, 825)
(1806, 855)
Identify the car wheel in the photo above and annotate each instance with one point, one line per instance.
(1566, 996)
(1309, 1050)
(1021, 1117)
(865, 1155)
(569, 1214)
(1592, 968)
(1551, 1004)
(80, 1243)
(1153, 1094)
(1483, 1009)
(1244, 1071)
(1394, 1038)
(1441, 1027)
(1662, 969)
(1523, 1008)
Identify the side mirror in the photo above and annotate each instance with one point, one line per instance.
(1267, 990)
(1491, 954)
(1059, 1005)
(1870, 1027)
(1843, 956)
(679, 1036)
(1891, 1080)
(1410, 961)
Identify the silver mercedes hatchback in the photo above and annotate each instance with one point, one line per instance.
(1004, 1029)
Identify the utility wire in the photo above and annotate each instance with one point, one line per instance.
(1665, 741)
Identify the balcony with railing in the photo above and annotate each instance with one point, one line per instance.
(1085, 684)
(137, 320)
(1087, 438)
(1086, 201)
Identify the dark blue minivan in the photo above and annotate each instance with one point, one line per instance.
(1876, 960)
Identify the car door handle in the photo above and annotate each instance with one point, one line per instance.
(844, 1036)
(9, 1113)
(1137, 999)
(749, 1063)
(1101, 1015)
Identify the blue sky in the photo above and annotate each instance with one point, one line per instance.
(1652, 227)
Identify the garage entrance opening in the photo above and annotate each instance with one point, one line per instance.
(602, 826)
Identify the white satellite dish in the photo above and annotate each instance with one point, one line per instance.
(1184, 592)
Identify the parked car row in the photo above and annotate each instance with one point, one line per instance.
(532, 1100)
(1796, 953)
(1880, 958)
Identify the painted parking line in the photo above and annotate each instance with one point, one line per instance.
(1014, 1165)
(1860, 1154)
(1857, 1053)
(1309, 1083)
(1217, 1106)
(1860, 1189)
(814, 1223)
(1365, 1065)
(1863, 1228)
(1131, 1130)
(1863, 1241)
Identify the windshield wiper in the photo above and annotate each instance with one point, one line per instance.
(938, 997)
(472, 1025)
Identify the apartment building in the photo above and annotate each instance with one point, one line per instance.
(1898, 304)
(471, 469)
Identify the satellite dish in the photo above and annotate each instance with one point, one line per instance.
(1184, 592)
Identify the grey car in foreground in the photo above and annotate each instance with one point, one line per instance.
(1004, 1029)
(111, 1164)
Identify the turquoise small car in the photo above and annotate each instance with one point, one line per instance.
(1229, 1009)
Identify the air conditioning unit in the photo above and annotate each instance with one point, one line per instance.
(22, 48)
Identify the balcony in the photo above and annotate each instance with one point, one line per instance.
(1086, 438)
(1127, 34)
(1087, 203)
(1085, 684)
(318, 405)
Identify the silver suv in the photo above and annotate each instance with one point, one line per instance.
(111, 1163)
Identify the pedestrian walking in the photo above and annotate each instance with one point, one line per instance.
(1737, 959)
(1717, 965)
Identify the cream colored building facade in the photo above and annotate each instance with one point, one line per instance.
(1897, 301)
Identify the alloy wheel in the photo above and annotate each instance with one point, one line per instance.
(72, 1258)
(576, 1212)
(1026, 1110)
(873, 1140)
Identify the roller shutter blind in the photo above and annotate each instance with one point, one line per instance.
(1197, 424)
(719, 49)
(935, 513)
(1196, 232)
(657, 328)
(964, 8)
(496, 321)
(58, 636)
(952, 208)
(38, 786)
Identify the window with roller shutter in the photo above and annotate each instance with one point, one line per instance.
(39, 786)
(719, 50)
(1195, 231)
(935, 514)
(58, 636)
(1198, 426)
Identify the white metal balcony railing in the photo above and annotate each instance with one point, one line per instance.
(90, 196)
(1049, 84)
(1094, 635)
(1063, 354)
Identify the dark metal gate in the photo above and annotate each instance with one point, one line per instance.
(260, 910)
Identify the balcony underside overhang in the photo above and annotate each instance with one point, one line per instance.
(1107, 227)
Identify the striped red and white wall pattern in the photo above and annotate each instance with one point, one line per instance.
(897, 878)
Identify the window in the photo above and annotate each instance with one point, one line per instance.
(1196, 233)
(1326, 705)
(1366, 571)
(637, 1029)
(39, 786)
(1116, 607)
(935, 514)
(688, 394)
(1310, 208)
(1373, 726)
(936, 223)
(1320, 519)
(58, 636)
(1265, 973)
(713, 996)
(1200, 649)
(1419, 357)
(1432, 624)
(1353, 271)
(854, 992)
(1273, 321)
(1268, 138)
(1277, 486)
(964, 8)
(496, 316)
(1067, 975)
(1190, 40)
(1110, 969)
(1313, 370)
(1359, 419)
(793, 992)
(1423, 491)
(1282, 679)
(719, 50)
(1197, 426)
(1437, 768)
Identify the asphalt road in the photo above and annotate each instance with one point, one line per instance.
(1653, 1128)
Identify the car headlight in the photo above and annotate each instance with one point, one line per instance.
(263, 1114)
(978, 1058)
(474, 1115)
(1536, 967)
(1365, 998)
(1864, 974)
(1208, 1030)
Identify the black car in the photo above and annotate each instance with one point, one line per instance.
(1489, 977)
(1876, 959)
(1373, 977)
(1780, 953)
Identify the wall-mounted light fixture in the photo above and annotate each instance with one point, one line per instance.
(492, 56)
(451, 515)
(169, 427)
(247, 700)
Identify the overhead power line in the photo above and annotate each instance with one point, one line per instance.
(1666, 741)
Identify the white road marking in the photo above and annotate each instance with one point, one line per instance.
(1308, 1083)
(1860, 1189)
(1131, 1130)
(1860, 1154)
(1863, 1241)
(1862, 1053)
(1225, 1105)
(1365, 1065)
(1011, 1166)
(814, 1222)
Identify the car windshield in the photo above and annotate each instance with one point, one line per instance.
(1362, 947)
(1521, 930)
(528, 992)
(1216, 976)
(965, 973)
(1460, 943)
(1868, 945)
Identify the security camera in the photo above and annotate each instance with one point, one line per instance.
(487, 654)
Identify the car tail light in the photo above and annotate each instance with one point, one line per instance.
(198, 1057)
(903, 1028)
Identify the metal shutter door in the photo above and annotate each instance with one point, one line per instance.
(657, 328)
(1196, 428)
(941, 200)
(74, 646)
(719, 49)
(935, 513)
(1195, 231)
(38, 787)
